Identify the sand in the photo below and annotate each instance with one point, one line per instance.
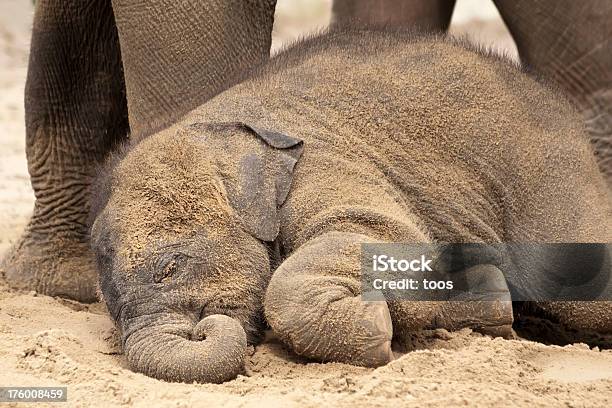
(53, 342)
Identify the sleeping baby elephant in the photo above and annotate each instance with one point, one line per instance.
(349, 138)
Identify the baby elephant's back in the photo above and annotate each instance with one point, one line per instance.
(385, 97)
(382, 95)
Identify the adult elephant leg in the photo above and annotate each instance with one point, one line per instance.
(179, 53)
(75, 112)
(571, 43)
(432, 15)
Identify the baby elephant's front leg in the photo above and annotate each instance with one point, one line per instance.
(313, 304)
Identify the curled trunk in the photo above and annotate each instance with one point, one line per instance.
(212, 352)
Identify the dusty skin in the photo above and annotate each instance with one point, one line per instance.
(46, 341)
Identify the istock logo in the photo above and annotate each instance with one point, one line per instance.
(383, 263)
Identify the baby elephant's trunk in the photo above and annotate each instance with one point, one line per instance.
(213, 352)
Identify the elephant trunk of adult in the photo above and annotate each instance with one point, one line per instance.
(177, 54)
(173, 350)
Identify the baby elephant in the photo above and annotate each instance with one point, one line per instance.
(349, 138)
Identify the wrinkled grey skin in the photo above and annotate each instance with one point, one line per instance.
(326, 156)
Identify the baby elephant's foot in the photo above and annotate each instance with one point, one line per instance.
(54, 267)
(579, 316)
(486, 305)
(330, 324)
(313, 304)
(351, 331)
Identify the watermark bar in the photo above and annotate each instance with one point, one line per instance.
(33, 394)
(480, 272)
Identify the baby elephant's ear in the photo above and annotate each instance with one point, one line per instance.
(264, 179)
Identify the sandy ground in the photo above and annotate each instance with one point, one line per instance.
(54, 342)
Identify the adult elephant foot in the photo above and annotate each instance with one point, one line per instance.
(52, 266)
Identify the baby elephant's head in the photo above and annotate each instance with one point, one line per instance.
(181, 230)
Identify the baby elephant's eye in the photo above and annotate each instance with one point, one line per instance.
(166, 266)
